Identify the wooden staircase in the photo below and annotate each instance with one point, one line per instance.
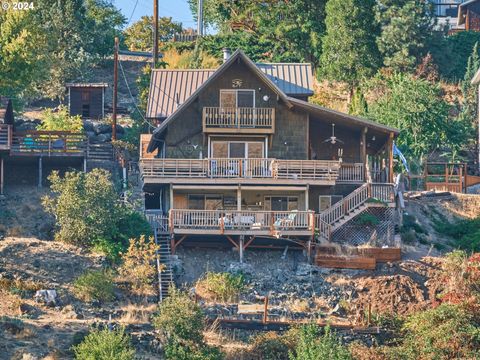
(352, 205)
(100, 156)
(164, 264)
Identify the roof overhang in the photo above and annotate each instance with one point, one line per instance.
(462, 10)
(342, 118)
(86, 85)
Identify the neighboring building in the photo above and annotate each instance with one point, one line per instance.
(458, 15)
(241, 152)
(87, 99)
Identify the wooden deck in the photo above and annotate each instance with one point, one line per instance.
(238, 120)
(352, 173)
(47, 143)
(259, 223)
(261, 171)
(5, 136)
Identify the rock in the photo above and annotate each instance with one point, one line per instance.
(120, 129)
(90, 134)
(88, 126)
(240, 268)
(102, 128)
(47, 297)
(70, 313)
(26, 309)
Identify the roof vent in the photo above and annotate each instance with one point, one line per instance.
(226, 54)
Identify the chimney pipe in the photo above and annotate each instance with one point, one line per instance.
(226, 54)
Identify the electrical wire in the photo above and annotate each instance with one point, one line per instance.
(133, 12)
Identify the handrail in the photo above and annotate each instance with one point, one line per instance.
(241, 117)
(262, 168)
(352, 172)
(48, 142)
(225, 220)
(5, 136)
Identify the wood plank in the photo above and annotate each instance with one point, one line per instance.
(346, 262)
(250, 308)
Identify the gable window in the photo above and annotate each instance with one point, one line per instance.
(237, 98)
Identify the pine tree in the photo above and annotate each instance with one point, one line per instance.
(406, 26)
(349, 51)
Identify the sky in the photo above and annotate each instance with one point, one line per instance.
(177, 9)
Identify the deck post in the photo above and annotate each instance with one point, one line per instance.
(40, 171)
(390, 158)
(239, 198)
(363, 148)
(1, 175)
(242, 238)
(309, 251)
(85, 164)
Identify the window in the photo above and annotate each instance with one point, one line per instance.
(238, 149)
(281, 203)
(237, 98)
(326, 201)
(205, 202)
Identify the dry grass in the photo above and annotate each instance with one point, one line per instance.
(134, 314)
(299, 305)
(233, 348)
(26, 333)
(16, 231)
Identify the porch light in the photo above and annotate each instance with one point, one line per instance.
(266, 98)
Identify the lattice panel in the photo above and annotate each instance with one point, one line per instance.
(374, 226)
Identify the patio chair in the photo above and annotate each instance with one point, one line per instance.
(287, 221)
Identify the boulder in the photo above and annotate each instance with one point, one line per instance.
(88, 126)
(102, 128)
(47, 297)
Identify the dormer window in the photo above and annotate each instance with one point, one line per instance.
(237, 99)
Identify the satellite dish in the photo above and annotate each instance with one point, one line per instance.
(333, 139)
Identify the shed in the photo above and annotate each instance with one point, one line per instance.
(469, 15)
(6, 111)
(87, 99)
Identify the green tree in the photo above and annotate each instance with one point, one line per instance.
(416, 107)
(313, 345)
(406, 26)
(350, 52)
(269, 30)
(139, 35)
(469, 90)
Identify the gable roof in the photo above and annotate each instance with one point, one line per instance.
(462, 8)
(341, 118)
(171, 88)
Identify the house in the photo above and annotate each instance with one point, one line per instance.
(87, 99)
(457, 15)
(241, 153)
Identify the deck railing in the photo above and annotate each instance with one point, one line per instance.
(352, 172)
(243, 220)
(238, 118)
(48, 143)
(5, 136)
(240, 168)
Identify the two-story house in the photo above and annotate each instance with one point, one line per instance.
(240, 152)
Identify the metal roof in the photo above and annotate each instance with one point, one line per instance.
(171, 88)
(87, 85)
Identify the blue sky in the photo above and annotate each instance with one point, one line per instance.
(177, 9)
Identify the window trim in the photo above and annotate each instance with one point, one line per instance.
(280, 196)
(236, 96)
(329, 197)
(246, 142)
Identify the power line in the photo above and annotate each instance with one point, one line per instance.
(133, 12)
(131, 96)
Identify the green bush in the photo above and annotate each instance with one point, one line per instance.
(180, 317)
(105, 345)
(95, 285)
(221, 286)
(60, 120)
(313, 345)
(272, 346)
(176, 350)
(446, 332)
(367, 219)
(88, 212)
(465, 233)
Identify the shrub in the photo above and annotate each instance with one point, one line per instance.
(176, 350)
(312, 345)
(138, 265)
(94, 285)
(88, 212)
(465, 233)
(180, 317)
(60, 120)
(446, 332)
(272, 346)
(367, 219)
(221, 286)
(105, 345)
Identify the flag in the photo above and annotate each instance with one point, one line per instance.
(396, 151)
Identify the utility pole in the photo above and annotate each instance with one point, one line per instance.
(115, 90)
(200, 18)
(155, 32)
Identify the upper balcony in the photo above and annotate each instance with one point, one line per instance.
(240, 120)
(228, 170)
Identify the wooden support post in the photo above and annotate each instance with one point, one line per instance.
(85, 164)
(170, 205)
(390, 158)
(239, 198)
(1, 175)
(172, 244)
(242, 238)
(40, 171)
(265, 310)
(363, 149)
(369, 314)
(306, 197)
(309, 251)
